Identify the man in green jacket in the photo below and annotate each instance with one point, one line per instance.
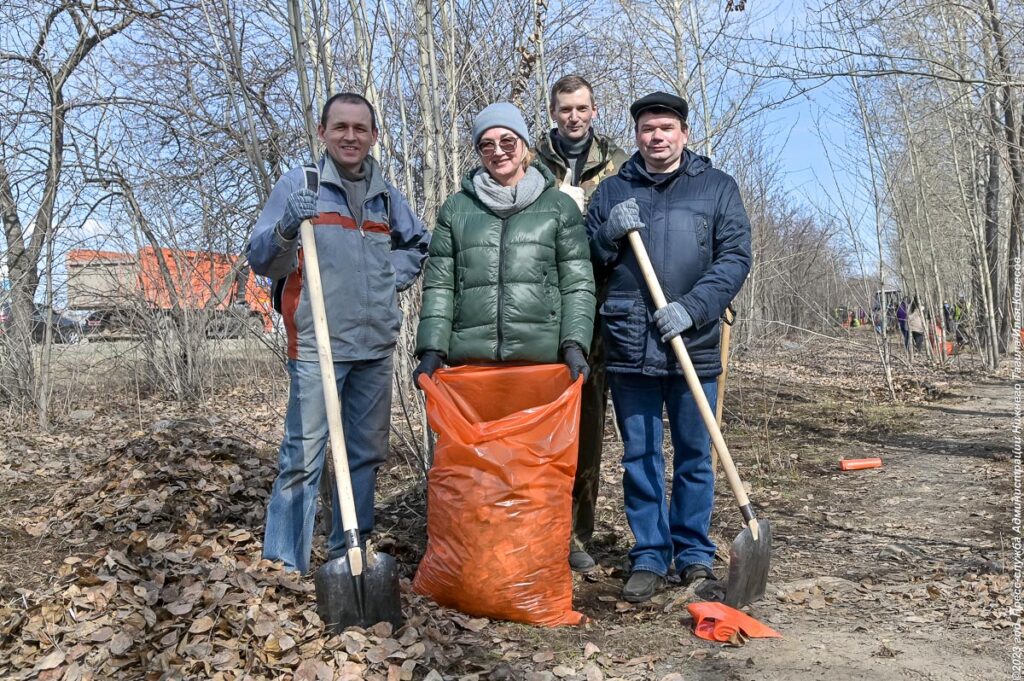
(579, 159)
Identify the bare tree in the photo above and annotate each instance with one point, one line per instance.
(48, 60)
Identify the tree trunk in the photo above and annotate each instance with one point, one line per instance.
(431, 179)
(680, 40)
(541, 120)
(873, 155)
(299, 56)
(17, 369)
(435, 110)
(452, 81)
(991, 203)
(1016, 162)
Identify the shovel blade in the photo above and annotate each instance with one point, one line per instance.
(345, 600)
(748, 566)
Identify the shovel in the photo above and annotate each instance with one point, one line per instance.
(355, 589)
(751, 550)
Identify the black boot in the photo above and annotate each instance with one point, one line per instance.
(642, 585)
(691, 573)
(581, 561)
(707, 587)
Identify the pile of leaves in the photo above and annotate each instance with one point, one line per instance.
(205, 605)
(175, 477)
(180, 589)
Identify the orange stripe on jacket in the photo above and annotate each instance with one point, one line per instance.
(348, 223)
(289, 306)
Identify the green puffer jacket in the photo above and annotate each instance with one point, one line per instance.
(510, 289)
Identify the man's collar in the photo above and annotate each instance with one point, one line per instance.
(664, 175)
(560, 144)
(375, 181)
(332, 172)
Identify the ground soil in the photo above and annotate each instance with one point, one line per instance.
(897, 572)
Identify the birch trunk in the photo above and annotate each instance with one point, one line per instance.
(881, 343)
(299, 56)
(424, 41)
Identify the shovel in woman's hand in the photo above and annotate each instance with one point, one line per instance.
(359, 588)
(751, 551)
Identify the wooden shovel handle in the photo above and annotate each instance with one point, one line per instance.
(339, 455)
(695, 387)
(720, 401)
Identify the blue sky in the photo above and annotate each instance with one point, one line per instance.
(841, 186)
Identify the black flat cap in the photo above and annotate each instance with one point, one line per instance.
(659, 100)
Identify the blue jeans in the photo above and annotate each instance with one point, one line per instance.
(665, 530)
(364, 390)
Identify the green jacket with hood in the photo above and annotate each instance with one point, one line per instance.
(507, 289)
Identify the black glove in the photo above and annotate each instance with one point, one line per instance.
(573, 357)
(430, 361)
(301, 206)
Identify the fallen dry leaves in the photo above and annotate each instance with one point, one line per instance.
(181, 590)
(165, 578)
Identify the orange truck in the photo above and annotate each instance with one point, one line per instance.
(117, 289)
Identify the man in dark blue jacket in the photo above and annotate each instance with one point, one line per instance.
(692, 221)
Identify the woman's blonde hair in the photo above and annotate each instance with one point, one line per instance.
(528, 156)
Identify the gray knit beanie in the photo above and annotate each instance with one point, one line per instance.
(500, 115)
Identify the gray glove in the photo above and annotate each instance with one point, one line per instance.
(622, 219)
(673, 319)
(573, 357)
(301, 206)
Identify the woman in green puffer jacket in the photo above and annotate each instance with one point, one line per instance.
(509, 276)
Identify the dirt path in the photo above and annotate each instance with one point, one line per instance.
(890, 573)
(916, 547)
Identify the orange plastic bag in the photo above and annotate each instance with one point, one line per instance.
(718, 622)
(499, 495)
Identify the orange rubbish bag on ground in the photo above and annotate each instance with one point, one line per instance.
(719, 622)
(499, 495)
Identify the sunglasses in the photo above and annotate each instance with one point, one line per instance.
(507, 144)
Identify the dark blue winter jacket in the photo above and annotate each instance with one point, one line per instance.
(698, 237)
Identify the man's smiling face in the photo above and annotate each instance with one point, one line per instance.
(348, 134)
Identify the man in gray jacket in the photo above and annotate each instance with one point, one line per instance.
(371, 246)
